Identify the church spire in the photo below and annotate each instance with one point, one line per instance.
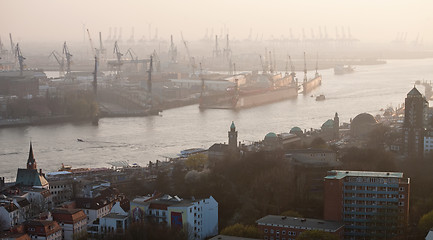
(31, 162)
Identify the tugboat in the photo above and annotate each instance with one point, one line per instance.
(321, 97)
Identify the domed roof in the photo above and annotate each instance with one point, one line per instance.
(271, 135)
(328, 124)
(296, 130)
(363, 118)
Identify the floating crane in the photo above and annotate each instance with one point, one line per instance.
(60, 60)
(191, 59)
(68, 57)
(20, 58)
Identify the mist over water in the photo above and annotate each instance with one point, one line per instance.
(143, 139)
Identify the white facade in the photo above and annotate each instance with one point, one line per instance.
(10, 218)
(200, 217)
(93, 214)
(55, 236)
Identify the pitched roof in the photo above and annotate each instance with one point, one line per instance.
(67, 215)
(414, 92)
(30, 177)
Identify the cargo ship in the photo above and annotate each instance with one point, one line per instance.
(261, 89)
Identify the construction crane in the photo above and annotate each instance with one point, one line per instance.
(20, 58)
(68, 57)
(191, 59)
(60, 60)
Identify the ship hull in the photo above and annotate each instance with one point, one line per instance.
(311, 84)
(251, 100)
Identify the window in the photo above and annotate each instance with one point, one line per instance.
(401, 203)
(266, 230)
(283, 232)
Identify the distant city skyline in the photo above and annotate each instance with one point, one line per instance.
(369, 21)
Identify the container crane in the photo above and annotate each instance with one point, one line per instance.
(20, 58)
(60, 60)
(68, 57)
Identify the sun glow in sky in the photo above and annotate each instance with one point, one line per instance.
(58, 20)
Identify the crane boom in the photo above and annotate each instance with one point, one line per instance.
(20, 58)
(68, 56)
(91, 44)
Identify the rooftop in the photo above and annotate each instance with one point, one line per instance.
(115, 216)
(291, 222)
(339, 174)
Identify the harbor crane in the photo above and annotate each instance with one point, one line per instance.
(191, 59)
(95, 51)
(101, 49)
(13, 54)
(172, 52)
(157, 61)
(60, 60)
(292, 68)
(227, 51)
(68, 57)
(20, 58)
(119, 62)
(263, 65)
(216, 51)
(133, 57)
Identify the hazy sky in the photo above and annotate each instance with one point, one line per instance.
(59, 20)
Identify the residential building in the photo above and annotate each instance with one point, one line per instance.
(14, 236)
(415, 115)
(9, 214)
(43, 230)
(289, 228)
(115, 222)
(61, 190)
(198, 217)
(371, 204)
(98, 206)
(72, 221)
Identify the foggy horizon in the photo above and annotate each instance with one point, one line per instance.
(374, 22)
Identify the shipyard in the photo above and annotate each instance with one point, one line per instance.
(210, 120)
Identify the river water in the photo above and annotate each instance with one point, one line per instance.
(143, 139)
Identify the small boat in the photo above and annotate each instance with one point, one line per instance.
(321, 97)
(80, 140)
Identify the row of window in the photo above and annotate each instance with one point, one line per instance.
(283, 232)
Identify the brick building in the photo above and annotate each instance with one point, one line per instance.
(288, 228)
(371, 204)
(43, 229)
